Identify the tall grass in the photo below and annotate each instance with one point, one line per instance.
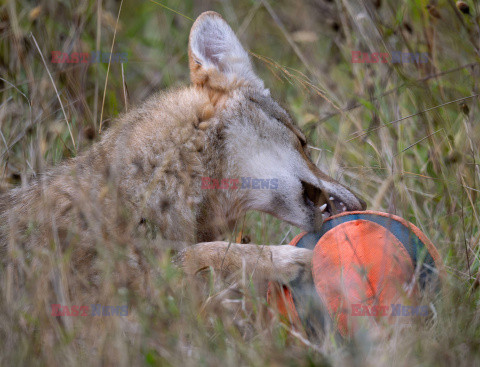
(406, 136)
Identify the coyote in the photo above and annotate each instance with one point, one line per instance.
(147, 170)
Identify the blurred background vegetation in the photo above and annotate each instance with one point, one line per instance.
(406, 136)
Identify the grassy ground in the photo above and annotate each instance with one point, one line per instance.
(404, 135)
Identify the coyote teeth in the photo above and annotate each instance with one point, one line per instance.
(323, 207)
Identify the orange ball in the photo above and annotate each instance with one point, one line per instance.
(365, 265)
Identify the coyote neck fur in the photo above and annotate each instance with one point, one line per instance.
(148, 166)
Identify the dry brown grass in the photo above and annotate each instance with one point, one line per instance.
(388, 130)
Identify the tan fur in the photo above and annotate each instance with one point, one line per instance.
(283, 264)
(146, 172)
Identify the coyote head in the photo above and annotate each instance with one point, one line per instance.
(259, 139)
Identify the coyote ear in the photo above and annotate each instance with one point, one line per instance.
(216, 57)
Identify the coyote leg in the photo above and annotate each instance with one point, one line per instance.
(272, 263)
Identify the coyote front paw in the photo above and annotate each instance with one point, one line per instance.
(197, 258)
(284, 264)
(291, 264)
